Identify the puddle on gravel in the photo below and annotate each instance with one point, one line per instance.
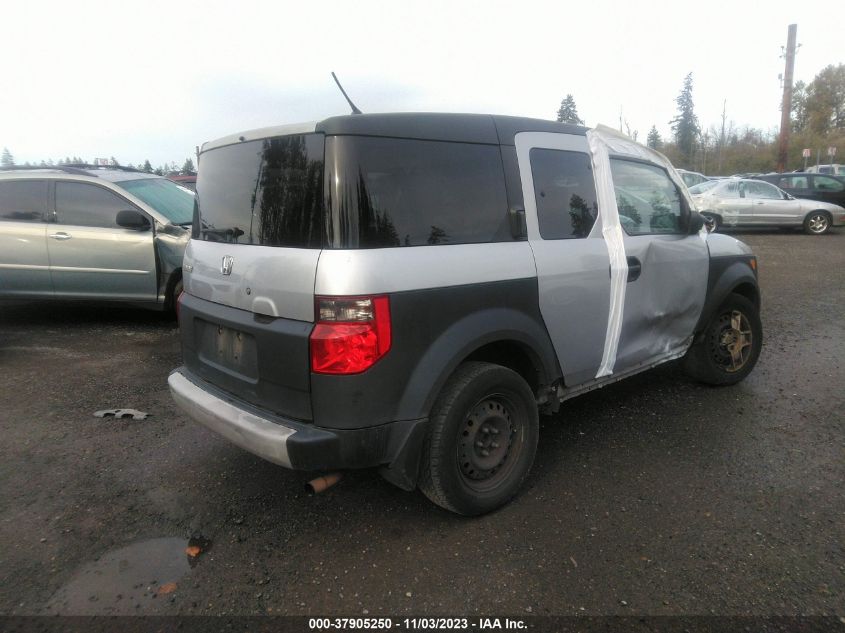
(138, 578)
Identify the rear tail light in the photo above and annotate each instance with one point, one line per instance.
(351, 334)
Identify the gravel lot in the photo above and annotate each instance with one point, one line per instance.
(653, 496)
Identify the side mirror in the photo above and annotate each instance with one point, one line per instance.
(516, 217)
(696, 222)
(132, 219)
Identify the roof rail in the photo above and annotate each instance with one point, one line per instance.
(70, 169)
(89, 166)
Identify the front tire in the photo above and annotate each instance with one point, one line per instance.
(728, 348)
(482, 440)
(817, 223)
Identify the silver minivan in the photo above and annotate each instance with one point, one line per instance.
(410, 291)
(92, 233)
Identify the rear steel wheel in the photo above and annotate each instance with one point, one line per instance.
(482, 439)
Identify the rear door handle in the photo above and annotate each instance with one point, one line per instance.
(635, 267)
(61, 235)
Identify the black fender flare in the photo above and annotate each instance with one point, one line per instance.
(727, 273)
(468, 335)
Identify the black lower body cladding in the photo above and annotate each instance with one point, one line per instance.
(433, 331)
(261, 360)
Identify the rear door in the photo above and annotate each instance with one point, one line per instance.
(24, 263)
(564, 232)
(667, 268)
(90, 255)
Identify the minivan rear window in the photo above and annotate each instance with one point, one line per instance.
(267, 192)
(388, 192)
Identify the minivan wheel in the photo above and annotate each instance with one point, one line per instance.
(174, 296)
(817, 223)
(482, 439)
(730, 345)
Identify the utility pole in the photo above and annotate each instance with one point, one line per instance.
(722, 136)
(786, 105)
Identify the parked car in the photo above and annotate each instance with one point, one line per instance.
(832, 170)
(90, 232)
(189, 181)
(409, 291)
(809, 186)
(738, 202)
(692, 178)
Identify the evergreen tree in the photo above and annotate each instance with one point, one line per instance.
(113, 161)
(147, 167)
(568, 111)
(653, 140)
(685, 124)
(188, 167)
(6, 159)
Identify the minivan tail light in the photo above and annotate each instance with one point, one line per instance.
(351, 334)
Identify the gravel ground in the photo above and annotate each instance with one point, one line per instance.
(653, 496)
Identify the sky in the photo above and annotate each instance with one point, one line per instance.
(152, 80)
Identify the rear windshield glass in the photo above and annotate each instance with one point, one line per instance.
(267, 192)
(386, 192)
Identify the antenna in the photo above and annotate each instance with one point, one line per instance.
(355, 109)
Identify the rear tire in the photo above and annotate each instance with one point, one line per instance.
(482, 439)
(728, 348)
(817, 223)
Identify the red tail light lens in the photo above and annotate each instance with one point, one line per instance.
(351, 334)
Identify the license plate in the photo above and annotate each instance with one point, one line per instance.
(231, 349)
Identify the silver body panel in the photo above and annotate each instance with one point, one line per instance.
(24, 263)
(102, 263)
(664, 304)
(268, 280)
(383, 270)
(251, 432)
(572, 274)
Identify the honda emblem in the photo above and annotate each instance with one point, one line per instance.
(226, 266)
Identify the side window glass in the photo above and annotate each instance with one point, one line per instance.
(565, 193)
(763, 190)
(823, 183)
(23, 200)
(730, 191)
(648, 201)
(793, 182)
(81, 204)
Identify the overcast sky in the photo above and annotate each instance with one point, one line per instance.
(140, 80)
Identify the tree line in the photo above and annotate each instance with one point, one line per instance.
(817, 122)
(7, 159)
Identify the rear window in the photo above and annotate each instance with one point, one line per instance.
(388, 192)
(23, 200)
(267, 192)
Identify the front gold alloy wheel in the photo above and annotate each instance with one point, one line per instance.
(733, 342)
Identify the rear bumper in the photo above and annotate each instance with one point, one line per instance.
(251, 432)
(299, 445)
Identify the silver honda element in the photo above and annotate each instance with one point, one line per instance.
(410, 292)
